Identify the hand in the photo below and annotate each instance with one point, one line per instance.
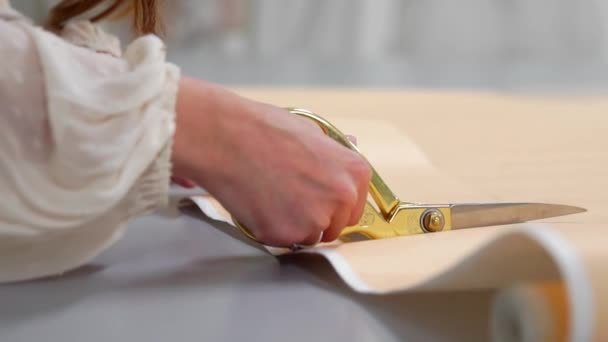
(276, 172)
(188, 184)
(183, 182)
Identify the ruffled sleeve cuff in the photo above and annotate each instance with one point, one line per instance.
(91, 151)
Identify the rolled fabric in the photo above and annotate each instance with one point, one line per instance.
(531, 313)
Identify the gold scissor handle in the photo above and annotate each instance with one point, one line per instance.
(385, 199)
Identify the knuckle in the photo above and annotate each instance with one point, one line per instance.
(323, 223)
(320, 221)
(365, 172)
(299, 234)
(356, 217)
(269, 233)
(294, 232)
(260, 235)
(359, 167)
(345, 191)
(281, 238)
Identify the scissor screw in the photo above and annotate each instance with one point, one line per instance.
(432, 221)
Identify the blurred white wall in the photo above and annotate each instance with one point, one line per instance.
(486, 43)
(473, 30)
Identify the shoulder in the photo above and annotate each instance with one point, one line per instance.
(8, 13)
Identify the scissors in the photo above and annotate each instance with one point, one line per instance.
(391, 217)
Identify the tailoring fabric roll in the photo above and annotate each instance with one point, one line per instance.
(530, 313)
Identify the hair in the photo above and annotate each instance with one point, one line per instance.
(145, 13)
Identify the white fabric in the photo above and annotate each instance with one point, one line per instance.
(85, 141)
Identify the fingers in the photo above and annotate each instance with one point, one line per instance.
(339, 222)
(314, 230)
(313, 239)
(350, 214)
(359, 207)
(183, 182)
(341, 204)
(361, 194)
(352, 138)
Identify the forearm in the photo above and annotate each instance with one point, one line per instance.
(207, 123)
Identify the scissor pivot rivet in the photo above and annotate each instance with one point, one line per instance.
(432, 221)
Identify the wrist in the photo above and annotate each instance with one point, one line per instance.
(178, 154)
(205, 118)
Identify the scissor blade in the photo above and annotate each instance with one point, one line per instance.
(491, 214)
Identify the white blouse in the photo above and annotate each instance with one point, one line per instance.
(85, 141)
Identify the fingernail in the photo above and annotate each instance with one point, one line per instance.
(185, 183)
(352, 138)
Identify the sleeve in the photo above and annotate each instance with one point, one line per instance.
(85, 145)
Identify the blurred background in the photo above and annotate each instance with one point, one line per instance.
(490, 44)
